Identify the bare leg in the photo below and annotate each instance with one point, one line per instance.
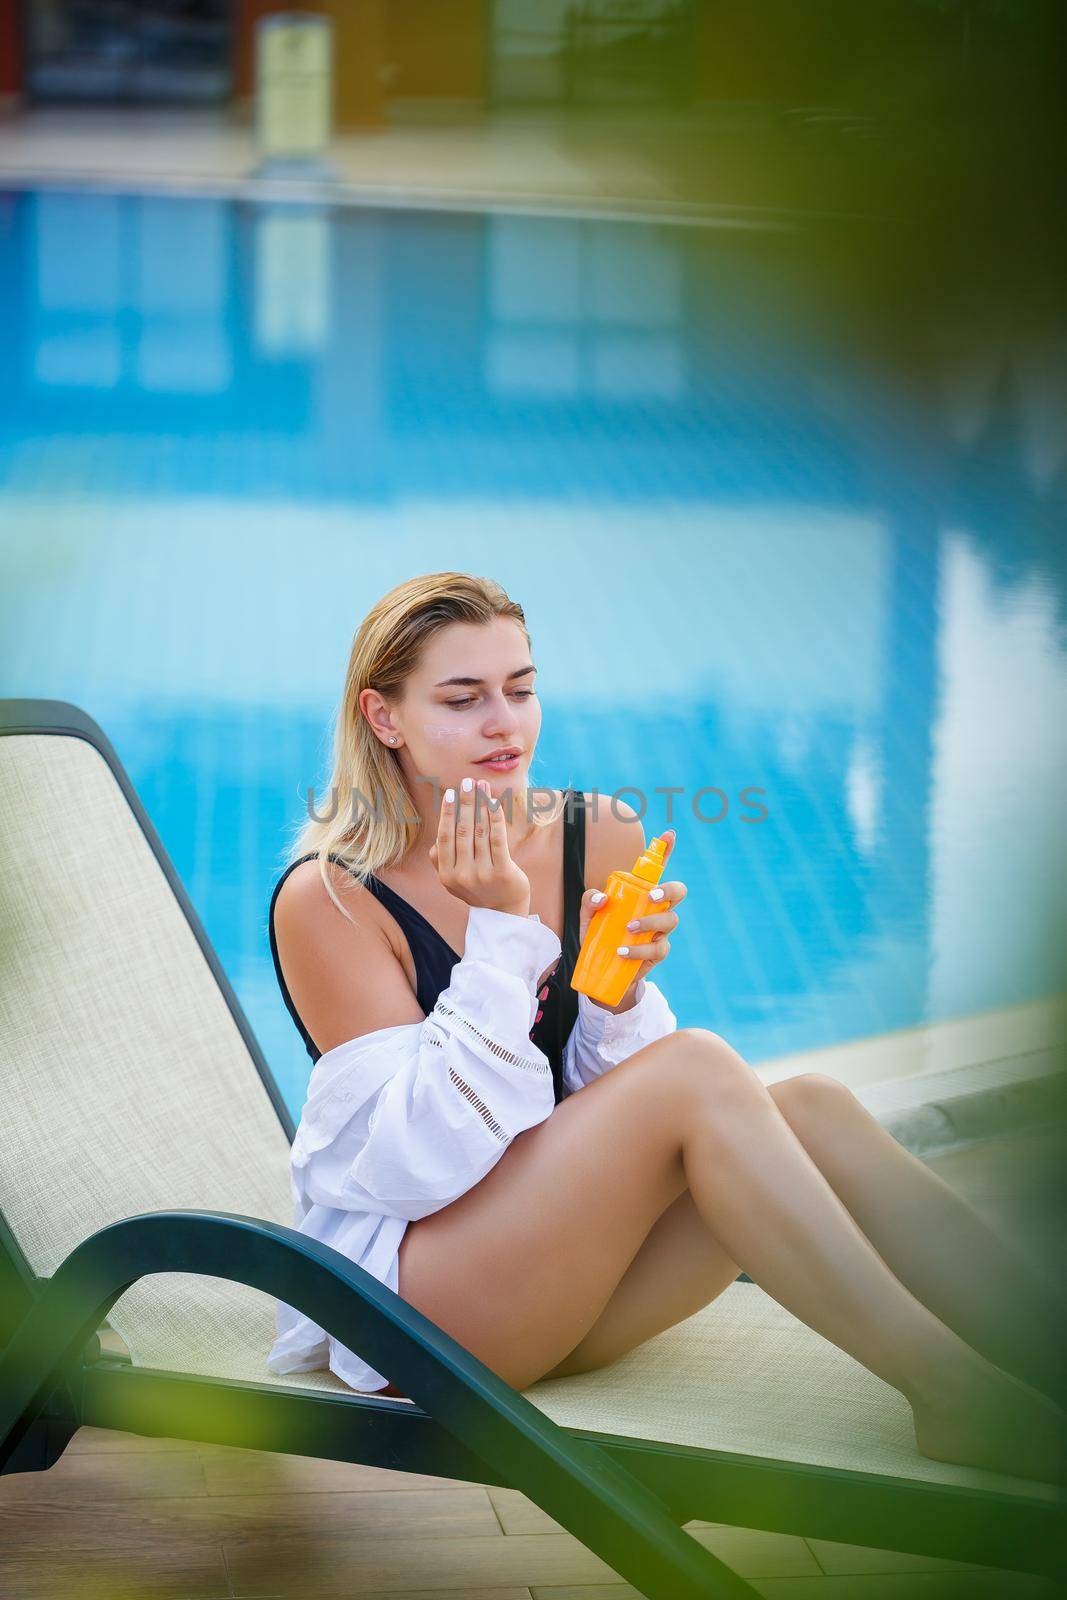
(932, 1239)
(941, 1249)
(774, 1212)
(679, 1269)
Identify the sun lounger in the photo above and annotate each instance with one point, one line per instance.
(144, 1182)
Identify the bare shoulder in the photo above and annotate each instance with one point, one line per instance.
(343, 973)
(303, 904)
(614, 838)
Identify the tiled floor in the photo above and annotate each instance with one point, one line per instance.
(124, 1517)
(121, 1517)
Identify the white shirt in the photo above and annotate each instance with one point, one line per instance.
(400, 1122)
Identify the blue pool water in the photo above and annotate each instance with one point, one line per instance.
(748, 558)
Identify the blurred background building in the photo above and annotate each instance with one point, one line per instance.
(478, 53)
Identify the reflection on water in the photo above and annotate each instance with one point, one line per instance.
(754, 554)
(292, 281)
(583, 312)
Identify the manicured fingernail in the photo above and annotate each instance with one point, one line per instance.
(450, 795)
(624, 950)
(597, 896)
(633, 926)
(655, 894)
(467, 785)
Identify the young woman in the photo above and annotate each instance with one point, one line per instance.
(552, 1181)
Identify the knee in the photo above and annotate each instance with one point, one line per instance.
(707, 1048)
(707, 1061)
(814, 1094)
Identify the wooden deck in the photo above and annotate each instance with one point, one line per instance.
(121, 1517)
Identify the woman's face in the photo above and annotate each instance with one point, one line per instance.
(474, 692)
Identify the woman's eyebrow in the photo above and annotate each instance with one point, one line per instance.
(477, 683)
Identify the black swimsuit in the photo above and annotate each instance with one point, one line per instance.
(434, 958)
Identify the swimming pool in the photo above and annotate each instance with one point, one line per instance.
(748, 558)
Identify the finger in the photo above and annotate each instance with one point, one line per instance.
(645, 952)
(465, 828)
(498, 833)
(446, 834)
(660, 921)
(483, 856)
(588, 907)
(674, 891)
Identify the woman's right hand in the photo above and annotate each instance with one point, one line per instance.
(471, 853)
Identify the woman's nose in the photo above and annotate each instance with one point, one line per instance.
(503, 720)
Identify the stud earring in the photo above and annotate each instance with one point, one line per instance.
(392, 741)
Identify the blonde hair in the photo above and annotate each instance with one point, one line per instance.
(387, 648)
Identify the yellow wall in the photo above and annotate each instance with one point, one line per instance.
(438, 47)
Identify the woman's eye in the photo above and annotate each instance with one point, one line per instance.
(520, 694)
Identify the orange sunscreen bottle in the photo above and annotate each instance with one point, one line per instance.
(600, 972)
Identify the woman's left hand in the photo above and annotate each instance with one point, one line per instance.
(649, 933)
